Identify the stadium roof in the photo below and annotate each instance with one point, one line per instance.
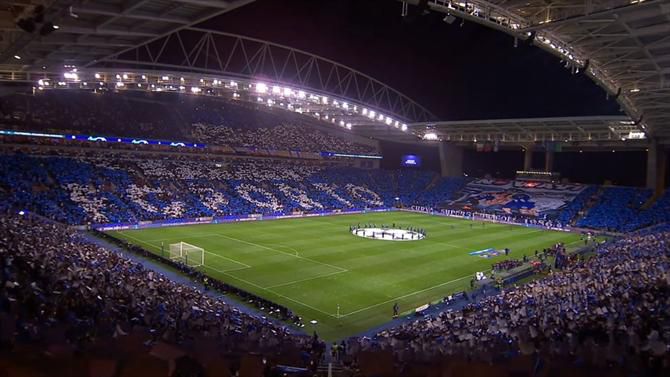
(623, 45)
(78, 32)
(604, 129)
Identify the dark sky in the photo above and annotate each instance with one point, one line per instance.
(457, 72)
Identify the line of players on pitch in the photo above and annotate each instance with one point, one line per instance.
(414, 233)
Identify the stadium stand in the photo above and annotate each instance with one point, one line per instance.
(601, 313)
(169, 117)
(69, 310)
(617, 209)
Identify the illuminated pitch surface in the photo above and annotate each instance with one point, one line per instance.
(313, 264)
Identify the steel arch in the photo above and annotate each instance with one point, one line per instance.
(214, 52)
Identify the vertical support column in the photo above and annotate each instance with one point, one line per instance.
(528, 158)
(549, 161)
(656, 166)
(451, 160)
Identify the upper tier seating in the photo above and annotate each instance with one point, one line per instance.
(173, 117)
(112, 188)
(617, 210)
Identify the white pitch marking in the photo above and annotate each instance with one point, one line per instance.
(206, 252)
(403, 296)
(283, 252)
(306, 279)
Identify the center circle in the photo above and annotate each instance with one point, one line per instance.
(388, 234)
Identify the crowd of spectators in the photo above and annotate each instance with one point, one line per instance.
(61, 291)
(617, 210)
(506, 265)
(171, 117)
(610, 310)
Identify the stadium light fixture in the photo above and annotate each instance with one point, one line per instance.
(120, 84)
(365, 111)
(404, 127)
(125, 76)
(85, 83)
(118, 77)
(165, 78)
(430, 136)
(288, 92)
(139, 85)
(324, 100)
(97, 75)
(181, 79)
(381, 117)
(71, 76)
(144, 77)
(371, 114)
(301, 94)
(195, 90)
(388, 121)
(261, 88)
(342, 123)
(276, 90)
(345, 105)
(17, 57)
(348, 126)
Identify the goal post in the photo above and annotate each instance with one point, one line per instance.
(187, 254)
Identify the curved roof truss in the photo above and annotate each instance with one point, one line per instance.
(212, 52)
(623, 45)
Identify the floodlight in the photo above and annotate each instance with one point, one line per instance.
(195, 89)
(261, 87)
(288, 92)
(430, 136)
(371, 114)
(97, 75)
(276, 90)
(125, 76)
(119, 84)
(349, 126)
(165, 78)
(118, 77)
(404, 127)
(301, 94)
(365, 111)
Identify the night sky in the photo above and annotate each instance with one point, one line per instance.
(457, 72)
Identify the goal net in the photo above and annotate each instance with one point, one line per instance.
(187, 254)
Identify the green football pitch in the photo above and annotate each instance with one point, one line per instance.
(313, 265)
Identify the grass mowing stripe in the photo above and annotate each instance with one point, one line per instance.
(312, 265)
(405, 296)
(283, 252)
(206, 252)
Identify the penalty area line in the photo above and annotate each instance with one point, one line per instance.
(206, 252)
(404, 296)
(282, 252)
(306, 279)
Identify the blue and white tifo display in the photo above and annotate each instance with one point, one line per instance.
(411, 160)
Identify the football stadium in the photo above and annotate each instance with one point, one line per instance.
(334, 188)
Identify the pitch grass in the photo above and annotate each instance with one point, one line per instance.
(313, 264)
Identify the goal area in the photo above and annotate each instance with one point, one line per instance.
(187, 254)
